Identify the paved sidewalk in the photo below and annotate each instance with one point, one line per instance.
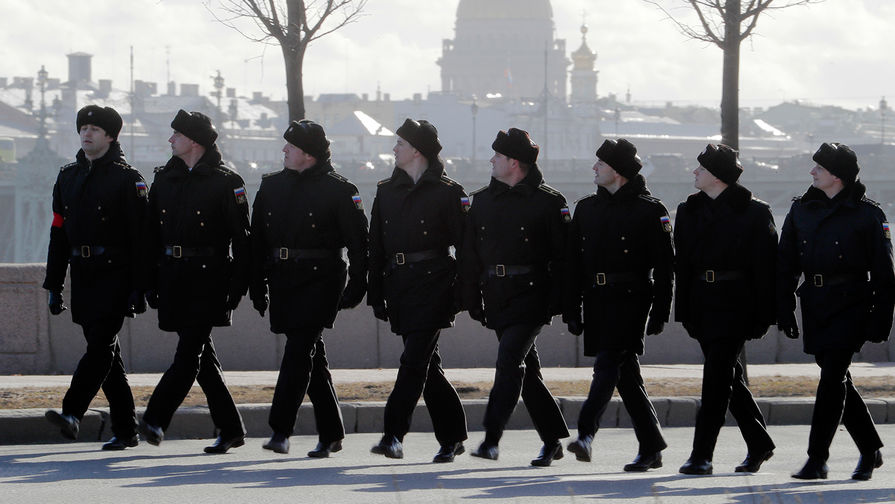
(269, 378)
(29, 425)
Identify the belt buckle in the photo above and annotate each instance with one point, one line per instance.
(284, 253)
(601, 278)
(500, 270)
(818, 280)
(710, 276)
(399, 258)
(176, 251)
(85, 251)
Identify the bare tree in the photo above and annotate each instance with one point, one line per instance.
(726, 23)
(293, 25)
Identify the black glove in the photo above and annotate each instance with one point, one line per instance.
(576, 326)
(787, 324)
(136, 303)
(380, 312)
(654, 325)
(478, 314)
(152, 299)
(879, 324)
(351, 296)
(55, 302)
(261, 303)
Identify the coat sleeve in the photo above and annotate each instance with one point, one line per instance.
(682, 269)
(153, 239)
(376, 257)
(572, 286)
(258, 238)
(763, 273)
(559, 235)
(788, 268)
(238, 219)
(353, 228)
(470, 268)
(882, 279)
(662, 259)
(456, 224)
(136, 205)
(59, 249)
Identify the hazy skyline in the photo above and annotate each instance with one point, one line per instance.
(834, 52)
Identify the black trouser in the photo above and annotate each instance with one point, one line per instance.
(101, 367)
(421, 373)
(304, 370)
(838, 400)
(621, 368)
(194, 360)
(724, 386)
(519, 371)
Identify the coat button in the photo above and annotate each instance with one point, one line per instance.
(268, 213)
(521, 228)
(161, 222)
(310, 214)
(202, 224)
(315, 268)
(164, 211)
(99, 207)
(840, 256)
(804, 241)
(198, 212)
(626, 251)
(425, 233)
(313, 225)
(837, 243)
(422, 221)
(623, 238)
(526, 239)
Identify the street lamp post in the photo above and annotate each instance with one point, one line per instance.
(883, 105)
(474, 108)
(42, 85)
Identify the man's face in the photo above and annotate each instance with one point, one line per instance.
(604, 175)
(296, 159)
(703, 179)
(94, 140)
(404, 153)
(180, 144)
(501, 166)
(823, 179)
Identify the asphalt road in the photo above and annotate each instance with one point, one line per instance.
(178, 471)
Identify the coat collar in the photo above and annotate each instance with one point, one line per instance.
(525, 187)
(113, 154)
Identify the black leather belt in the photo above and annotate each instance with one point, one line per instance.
(179, 252)
(833, 279)
(288, 254)
(505, 270)
(88, 251)
(402, 258)
(602, 279)
(712, 276)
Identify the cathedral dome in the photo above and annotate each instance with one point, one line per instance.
(504, 9)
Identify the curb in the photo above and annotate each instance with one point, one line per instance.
(26, 426)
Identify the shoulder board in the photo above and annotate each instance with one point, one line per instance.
(579, 200)
(122, 164)
(384, 181)
(158, 169)
(448, 181)
(761, 202)
(224, 170)
(271, 174)
(69, 165)
(647, 197)
(337, 176)
(797, 198)
(865, 199)
(549, 190)
(480, 189)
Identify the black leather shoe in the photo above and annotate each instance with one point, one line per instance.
(549, 452)
(698, 466)
(486, 451)
(866, 464)
(813, 469)
(68, 425)
(222, 445)
(753, 461)
(644, 462)
(448, 452)
(390, 447)
(278, 443)
(324, 449)
(151, 434)
(118, 444)
(581, 448)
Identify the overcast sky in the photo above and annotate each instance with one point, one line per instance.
(838, 52)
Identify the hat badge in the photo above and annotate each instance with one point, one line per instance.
(90, 113)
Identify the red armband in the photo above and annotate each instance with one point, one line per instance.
(57, 220)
